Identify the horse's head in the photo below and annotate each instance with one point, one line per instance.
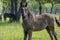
(23, 4)
(24, 10)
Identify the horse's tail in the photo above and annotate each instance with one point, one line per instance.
(58, 22)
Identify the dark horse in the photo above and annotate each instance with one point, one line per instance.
(9, 15)
(33, 22)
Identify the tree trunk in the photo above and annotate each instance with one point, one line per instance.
(3, 11)
(40, 8)
(15, 6)
(12, 6)
(52, 8)
(18, 14)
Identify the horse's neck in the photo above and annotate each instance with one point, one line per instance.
(23, 16)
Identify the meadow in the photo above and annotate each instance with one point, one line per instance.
(14, 31)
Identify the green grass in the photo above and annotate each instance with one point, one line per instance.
(14, 31)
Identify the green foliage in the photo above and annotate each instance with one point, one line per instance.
(42, 1)
(57, 6)
(32, 4)
(47, 6)
(5, 3)
(53, 1)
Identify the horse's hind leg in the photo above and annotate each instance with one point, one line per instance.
(25, 35)
(50, 33)
(55, 35)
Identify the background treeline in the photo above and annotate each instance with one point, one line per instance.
(48, 6)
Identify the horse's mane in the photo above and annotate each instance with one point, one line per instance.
(30, 12)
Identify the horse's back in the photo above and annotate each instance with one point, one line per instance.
(43, 20)
(50, 19)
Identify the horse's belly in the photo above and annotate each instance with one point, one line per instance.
(35, 26)
(39, 27)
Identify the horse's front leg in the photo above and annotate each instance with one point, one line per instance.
(30, 35)
(25, 35)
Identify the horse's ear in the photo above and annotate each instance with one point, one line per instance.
(26, 4)
(21, 4)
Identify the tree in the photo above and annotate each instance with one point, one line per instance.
(14, 6)
(41, 2)
(5, 5)
(53, 2)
